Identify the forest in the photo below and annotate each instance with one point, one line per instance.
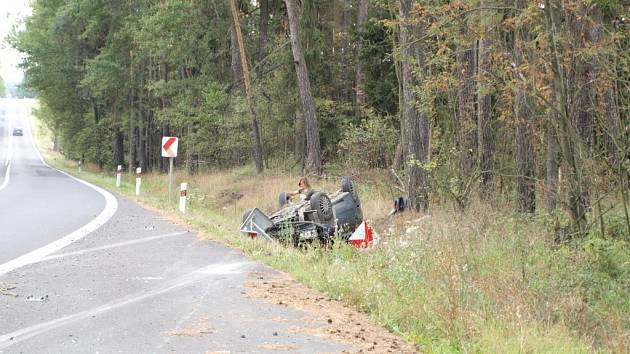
(461, 98)
(511, 115)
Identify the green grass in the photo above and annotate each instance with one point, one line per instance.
(485, 281)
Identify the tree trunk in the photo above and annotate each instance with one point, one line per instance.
(568, 139)
(613, 130)
(237, 73)
(132, 119)
(119, 149)
(525, 185)
(583, 77)
(142, 130)
(300, 138)
(401, 149)
(362, 18)
(190, 170)
(258, 158)
(263, 30)
(466, 130)
(313, 159)
(133, 137)
(484, 119)
(165, 127)
(585, 102)
(417, 125)
(95, 111)
(551, 180)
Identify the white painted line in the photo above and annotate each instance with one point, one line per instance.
(5, 181)
(10, 146)
(9, 141)
(111, 205)
(9, 339)
(113, 245)
(9, 155)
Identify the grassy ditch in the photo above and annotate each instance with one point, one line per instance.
(482, 281)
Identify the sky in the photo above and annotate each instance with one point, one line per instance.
(11, 14)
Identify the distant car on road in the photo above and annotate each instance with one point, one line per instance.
(17, 132)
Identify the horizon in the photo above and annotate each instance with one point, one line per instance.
(12, 15)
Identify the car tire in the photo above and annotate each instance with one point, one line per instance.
(347, 185)
(322, 205)
(283, 199)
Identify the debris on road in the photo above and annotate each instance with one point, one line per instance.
(277, 347)
(32, 298)
(5, 290)
(325, 317)
(200, 329)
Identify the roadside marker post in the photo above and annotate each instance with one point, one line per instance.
(183, 192)
(138, 180)
(118, 176)
(169, 149)
(170, 179)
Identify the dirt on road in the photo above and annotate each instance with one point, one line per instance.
(324, 316)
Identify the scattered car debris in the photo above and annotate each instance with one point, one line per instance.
(5, 290)
(401, 204)
(320, 217)
(32, 298)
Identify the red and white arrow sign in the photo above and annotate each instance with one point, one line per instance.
(169, 146)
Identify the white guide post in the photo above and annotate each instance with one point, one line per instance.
(118, 176)
(182, 197)
(138, 180)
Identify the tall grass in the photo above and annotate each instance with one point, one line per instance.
(482, 281)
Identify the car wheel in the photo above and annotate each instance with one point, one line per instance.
(283, 198)
(322, 205)
(347, 185)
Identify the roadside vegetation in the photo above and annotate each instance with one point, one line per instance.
(487, 280)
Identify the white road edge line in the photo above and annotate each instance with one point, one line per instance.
(9, 339)
(111, 205)
(9, 155)
(5, 182)
(113, 245)
(9, 140)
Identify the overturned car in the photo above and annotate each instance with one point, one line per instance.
(319, 217)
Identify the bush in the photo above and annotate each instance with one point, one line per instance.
(370, 144)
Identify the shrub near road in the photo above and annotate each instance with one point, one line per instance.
(482, 281)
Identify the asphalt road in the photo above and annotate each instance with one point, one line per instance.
(133, 282)
(38, 205)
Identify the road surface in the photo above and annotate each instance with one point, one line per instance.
(133, 283)
(38, 205)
